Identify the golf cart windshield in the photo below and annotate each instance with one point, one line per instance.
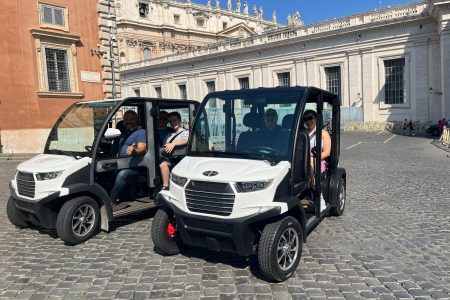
(249, 124)
(77, 128)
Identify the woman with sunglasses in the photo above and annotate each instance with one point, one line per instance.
(309, 118)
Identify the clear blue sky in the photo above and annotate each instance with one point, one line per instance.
(312, 11)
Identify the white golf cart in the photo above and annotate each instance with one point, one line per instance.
(246, 191)
(67, 187)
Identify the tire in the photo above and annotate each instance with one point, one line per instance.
(78, 220)
(162, 240)
(14, 215)
(338, 210)
(274, 236)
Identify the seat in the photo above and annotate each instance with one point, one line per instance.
(251, 137)
(286, 124)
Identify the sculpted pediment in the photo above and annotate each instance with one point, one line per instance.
(238, 30)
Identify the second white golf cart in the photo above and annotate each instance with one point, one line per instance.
(242, 187)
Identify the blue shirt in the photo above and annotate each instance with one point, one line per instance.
(126, 140)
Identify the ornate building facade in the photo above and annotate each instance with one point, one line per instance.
(153, 28)
(393, 63)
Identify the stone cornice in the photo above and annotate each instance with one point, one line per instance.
(39, 33)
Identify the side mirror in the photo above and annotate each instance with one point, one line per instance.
(112, 134)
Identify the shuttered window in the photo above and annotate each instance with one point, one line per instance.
(57, 70)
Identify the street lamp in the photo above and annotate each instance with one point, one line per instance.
(112, 40)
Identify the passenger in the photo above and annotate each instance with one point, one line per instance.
(132, 142)
(163, 129)
(310, 121)
(178, 138)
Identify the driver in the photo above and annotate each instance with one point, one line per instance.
(271, 131)
(132, 142)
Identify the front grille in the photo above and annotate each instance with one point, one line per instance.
(210, 198)
(25, 184)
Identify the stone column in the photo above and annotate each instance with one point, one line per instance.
(354, 79)
(445, 72)
(368, 97)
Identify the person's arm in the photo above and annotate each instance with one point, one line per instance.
(140, 147)
(168, 148)
(326, 143)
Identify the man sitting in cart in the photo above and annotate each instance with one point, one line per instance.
(132, 142)
(177, 139)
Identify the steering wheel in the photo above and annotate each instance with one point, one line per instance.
(265, 150)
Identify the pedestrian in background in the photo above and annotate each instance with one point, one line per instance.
(405, 125)
(410, 127)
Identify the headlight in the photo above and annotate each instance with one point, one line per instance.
(252, 186)
(49, 175)
(178, 180)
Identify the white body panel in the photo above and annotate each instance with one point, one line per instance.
(44, 163)
(231, 170)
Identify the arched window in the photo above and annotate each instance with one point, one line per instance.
(147, 53)
(123, 59)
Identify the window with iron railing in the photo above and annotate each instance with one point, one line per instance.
(57, 70)
(183, 91)
(333, 80)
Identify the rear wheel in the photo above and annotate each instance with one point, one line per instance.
(338, 210)
(14, 215)
(78, 220)
(280, 249)
(164, 232)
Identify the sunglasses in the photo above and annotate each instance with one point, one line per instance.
(309, 118)
(271, 115)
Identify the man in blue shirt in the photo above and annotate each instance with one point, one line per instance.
(132, 142)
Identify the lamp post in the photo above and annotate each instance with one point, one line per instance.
(111, 40)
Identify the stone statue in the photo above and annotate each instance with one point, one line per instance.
(255, 10)
(217, 4)
(246, 8)
(274, 16)
(289, 19)
(296, 20)
(209, 3)
(229, 4)
(238, 6)
(261, 12)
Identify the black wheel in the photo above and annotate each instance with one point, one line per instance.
(280, 249)
(164, 232)
(338, 210)
(78, 220)
(435, 132)
(14, 215)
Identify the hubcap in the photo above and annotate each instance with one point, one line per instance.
(83, 220)
(287, 249)
(342, 198)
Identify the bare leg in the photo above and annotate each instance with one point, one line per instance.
(164, 166)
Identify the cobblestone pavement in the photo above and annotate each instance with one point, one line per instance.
(392, 242)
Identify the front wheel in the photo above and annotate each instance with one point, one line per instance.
(164, 232)
(78, 220)
(338, 210)
(280, 249)
(14, 214)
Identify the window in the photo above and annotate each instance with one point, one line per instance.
(57, 70)
(52, 15)
(158, 92)
(211, 86)
(333, 80)
(176, 19)
(284, 79)
(394, 89)
(200, 22)
(123, 59)
(244, 83)
(143, 10)
(224, 25)
(147, 53)
(183, 92)
(137, 92)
